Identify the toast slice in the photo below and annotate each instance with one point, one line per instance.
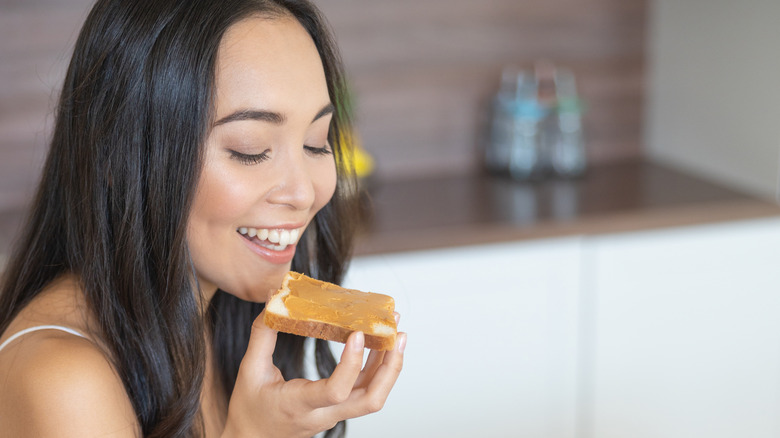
(308, 307)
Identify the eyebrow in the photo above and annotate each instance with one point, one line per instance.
(268, 116)
(327, 109)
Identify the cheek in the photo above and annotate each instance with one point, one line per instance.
(325, 184)
(221, 200)
(218, 199)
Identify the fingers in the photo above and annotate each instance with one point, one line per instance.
(375, 358)
(371, 398)
(387, 373)
(262, 342)
(337, 388)
(352, 390)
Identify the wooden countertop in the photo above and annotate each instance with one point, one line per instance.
(462, 210)
(457, 210)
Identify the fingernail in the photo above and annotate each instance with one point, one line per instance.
(401, 342)
(359, 342)
(397, 317)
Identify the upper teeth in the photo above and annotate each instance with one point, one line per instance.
(281, 238)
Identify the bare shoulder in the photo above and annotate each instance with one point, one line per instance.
(57, 384)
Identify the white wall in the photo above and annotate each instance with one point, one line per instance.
(713, 97)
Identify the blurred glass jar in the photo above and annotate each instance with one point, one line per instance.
(535, 127)
(565, 142)
(513, 146)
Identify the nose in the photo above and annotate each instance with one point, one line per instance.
(293, 184)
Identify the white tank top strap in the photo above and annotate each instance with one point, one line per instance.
(40, 327)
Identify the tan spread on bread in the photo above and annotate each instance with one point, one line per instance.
(309, 307)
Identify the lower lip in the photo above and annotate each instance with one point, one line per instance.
(275, 257)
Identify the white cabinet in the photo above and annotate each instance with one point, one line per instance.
(687, 332)
(492, 344)
(656, 334)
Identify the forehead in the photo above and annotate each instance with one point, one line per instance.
(270, 63)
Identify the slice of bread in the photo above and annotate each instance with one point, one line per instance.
(308, 307)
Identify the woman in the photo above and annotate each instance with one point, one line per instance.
(196, 157)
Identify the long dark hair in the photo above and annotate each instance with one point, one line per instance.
(114, 200)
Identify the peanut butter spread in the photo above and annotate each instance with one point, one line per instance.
(315, 300)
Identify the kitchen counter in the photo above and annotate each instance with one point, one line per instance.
(579, 299)
(457, 210)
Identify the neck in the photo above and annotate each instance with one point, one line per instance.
(207, 292)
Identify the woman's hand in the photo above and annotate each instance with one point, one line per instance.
(263, 404)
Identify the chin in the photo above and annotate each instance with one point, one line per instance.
(259, 292)
(256, 287)
(256, 295)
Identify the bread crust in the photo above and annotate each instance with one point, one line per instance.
(321, 330)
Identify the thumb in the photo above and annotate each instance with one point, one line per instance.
(262, 342)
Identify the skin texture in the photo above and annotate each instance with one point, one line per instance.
(59, 385)
(49, 378)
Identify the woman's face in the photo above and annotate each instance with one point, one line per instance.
(268, 166)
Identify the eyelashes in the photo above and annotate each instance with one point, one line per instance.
(325, 150)
(250, 159)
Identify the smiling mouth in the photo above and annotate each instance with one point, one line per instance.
(273, 239)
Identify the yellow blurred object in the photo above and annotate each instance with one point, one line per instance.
(362, 162)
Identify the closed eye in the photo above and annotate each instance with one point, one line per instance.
(249, 159)
(325, 150)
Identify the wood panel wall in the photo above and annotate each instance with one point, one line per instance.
(422, 72)
(36, 37)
